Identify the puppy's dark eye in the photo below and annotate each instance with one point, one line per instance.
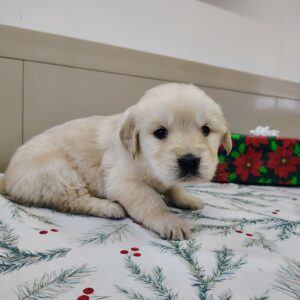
(161, 133)
(205, 130)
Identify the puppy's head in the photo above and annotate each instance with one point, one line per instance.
(174, 133)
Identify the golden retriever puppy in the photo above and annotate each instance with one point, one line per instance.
(106, 165)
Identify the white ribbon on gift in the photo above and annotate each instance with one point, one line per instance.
(265, 131)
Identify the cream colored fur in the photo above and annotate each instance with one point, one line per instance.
(110, 166)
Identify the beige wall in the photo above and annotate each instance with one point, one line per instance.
(255, 36)
(55, 94)
(10, 108)
(45, 82)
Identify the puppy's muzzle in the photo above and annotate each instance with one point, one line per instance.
(189, 165)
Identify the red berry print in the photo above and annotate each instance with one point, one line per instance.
(137, 254)
(239, 231)
(274, 212)
(43, 232)
(54, 230)
(249, 234)
(88, 291)
(277, 210)
(135, 249)
(83, 297)
(124, 252)
(294, 199)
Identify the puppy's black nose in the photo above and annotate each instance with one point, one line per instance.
(189, 164)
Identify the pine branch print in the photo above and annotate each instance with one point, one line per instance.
(130, 294)
(218, 206)
(187, 253)
(288, 278)
(53, 284)
(159, 276)
(264, 296)
(286, 228)
(100, 297)
(239, 201)
(108, 233)
(195, 215)
(226, 295)
(225, 269)
(241, 195)
(7, 235)
(153, 281)
(17, 211)
(229, 228)
(226, 266)
(259, 240)
(14, 259)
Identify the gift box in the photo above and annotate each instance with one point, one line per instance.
(260, 160)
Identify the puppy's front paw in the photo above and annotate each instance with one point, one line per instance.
(182, 199)
(115, 210)
(173, 228)
(192, 202)
(189, 201)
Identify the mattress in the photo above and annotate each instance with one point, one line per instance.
(245, 245)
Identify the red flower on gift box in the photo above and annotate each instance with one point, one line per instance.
(286, 142)
(248, 163)
(256, 141)
(222, 172)
(283, 161)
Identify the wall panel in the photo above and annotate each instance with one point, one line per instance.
(55, 94)
(10, 108)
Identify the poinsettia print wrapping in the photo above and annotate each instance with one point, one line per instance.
(260, 160)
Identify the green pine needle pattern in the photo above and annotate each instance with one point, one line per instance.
(288, 278)
(18, 211)
(227, 263)
(100, 297)
(241, 201)
(130, 294)
(107, 233)
(226, 295)
(259, 240)
(226, 266)
(13, 258)
(53, 284)
(7, 235)
(154, 281)
(264, 296)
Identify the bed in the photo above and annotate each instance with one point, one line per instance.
(245, 246)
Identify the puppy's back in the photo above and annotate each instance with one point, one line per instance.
(76, 142)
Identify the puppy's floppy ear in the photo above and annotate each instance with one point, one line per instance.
(227, 142)
(129, 136)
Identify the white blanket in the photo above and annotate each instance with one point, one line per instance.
(246, 245)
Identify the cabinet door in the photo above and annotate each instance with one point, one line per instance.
(10, 108)
(55, 94)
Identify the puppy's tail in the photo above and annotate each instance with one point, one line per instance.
(2, 186)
